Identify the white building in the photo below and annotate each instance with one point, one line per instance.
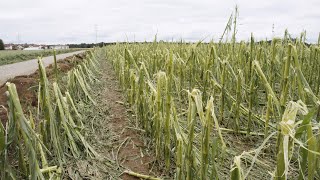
(9, 47)
(13, 47)
(33, 48)
(58, 47)
(18, 47)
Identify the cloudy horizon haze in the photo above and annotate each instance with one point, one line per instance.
(71, 21)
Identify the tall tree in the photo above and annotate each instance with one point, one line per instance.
(1, 45)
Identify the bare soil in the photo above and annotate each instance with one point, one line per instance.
(133, 154)
(27, 85)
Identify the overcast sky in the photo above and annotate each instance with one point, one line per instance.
(73, 21)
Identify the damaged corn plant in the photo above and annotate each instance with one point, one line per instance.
(227, 109)
(36, 144)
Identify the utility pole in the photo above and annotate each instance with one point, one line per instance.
(273, 30)
(96, 31)
(18, 38)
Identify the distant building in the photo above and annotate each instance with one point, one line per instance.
(36, 47)
(17, 47)
(32, 48)
(13, 47)
(58, 47)
(8, 47)
(25, 46)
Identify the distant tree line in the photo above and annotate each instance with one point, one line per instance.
(91, 45)
(101, 44)
(86, 45)
(1, 45)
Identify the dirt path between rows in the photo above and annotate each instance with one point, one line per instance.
(133, 153)
(111, 131)
(109, 125)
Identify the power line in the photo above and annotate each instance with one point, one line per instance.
(96, 32)
(18, 38)
(273, 30)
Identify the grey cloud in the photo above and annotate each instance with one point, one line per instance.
(73, 21)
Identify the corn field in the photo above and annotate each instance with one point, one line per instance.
(36, 145)
(227, 110)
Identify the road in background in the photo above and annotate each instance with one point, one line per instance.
(28, 67)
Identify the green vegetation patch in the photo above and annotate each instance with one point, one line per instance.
(14, 56)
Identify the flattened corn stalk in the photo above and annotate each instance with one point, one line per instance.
(57, 131)
(252, 83)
